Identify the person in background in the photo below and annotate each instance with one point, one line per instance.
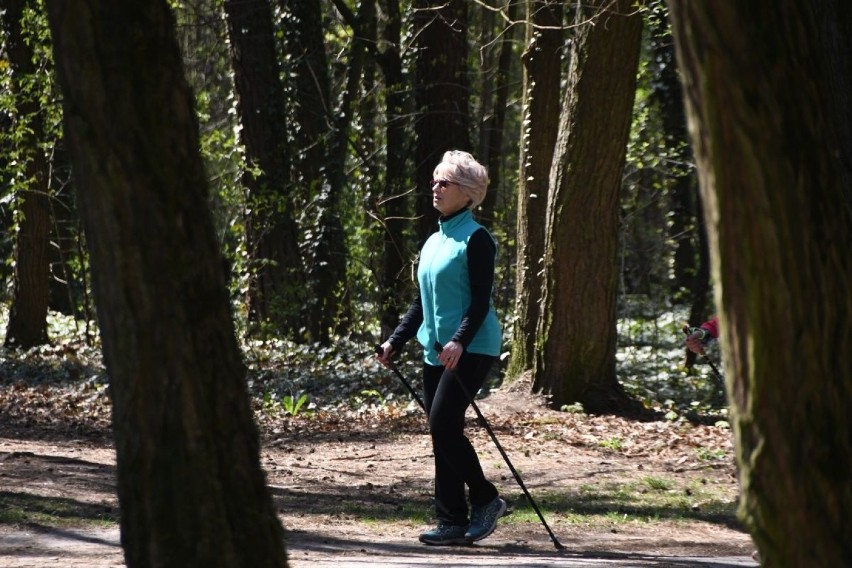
(701, 336)
(453, 308)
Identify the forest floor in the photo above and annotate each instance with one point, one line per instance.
(354, 490)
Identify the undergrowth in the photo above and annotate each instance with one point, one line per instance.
(289, 379)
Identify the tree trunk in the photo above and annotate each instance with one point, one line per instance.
(698, 312)
(767, 87)
(27, 326)
(367, 146)
(396, 253)
(441, 94)
(276, 282)
(493, 126)
(542, 75)
(313, 112)
(575, 360)
(391, 210)
(65, 296)
(312, 105)
(328, 254)
(682, 228)
(190, 486)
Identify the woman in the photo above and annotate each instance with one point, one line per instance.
(453, 309)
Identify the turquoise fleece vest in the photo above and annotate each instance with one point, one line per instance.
(445, 290)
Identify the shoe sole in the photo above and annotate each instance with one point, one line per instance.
(454, 542)
(502, 512)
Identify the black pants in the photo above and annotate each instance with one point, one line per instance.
(456, 462)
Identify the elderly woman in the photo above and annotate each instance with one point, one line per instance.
(453, 309)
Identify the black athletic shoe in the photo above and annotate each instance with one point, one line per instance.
(483, 520)
(445, 535)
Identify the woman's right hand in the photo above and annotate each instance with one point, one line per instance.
(696, 340)
(385, 356)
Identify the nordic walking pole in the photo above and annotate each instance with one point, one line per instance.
(380, 351)
(707, 360)
(484, 422)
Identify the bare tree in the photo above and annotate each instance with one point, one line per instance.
(190, 486)
(767, 86)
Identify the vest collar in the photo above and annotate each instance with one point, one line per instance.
(458, 218)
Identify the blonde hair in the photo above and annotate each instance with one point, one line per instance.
(463, 169)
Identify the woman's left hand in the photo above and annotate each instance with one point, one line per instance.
(451, 354)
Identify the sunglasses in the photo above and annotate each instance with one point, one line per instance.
(442, 183)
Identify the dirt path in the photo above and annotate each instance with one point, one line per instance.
(100, 548)
(357, 496)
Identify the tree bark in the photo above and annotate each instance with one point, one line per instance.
(190, 486)
(767, 87)
(682, 227)
(392, 211)
(27, 326)
(314, 135)
(575, 360)
(441, 94)
(542, 75)
(493, 126)
(396, 251)
(328, 255)
(276, 276)
(65, 296)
